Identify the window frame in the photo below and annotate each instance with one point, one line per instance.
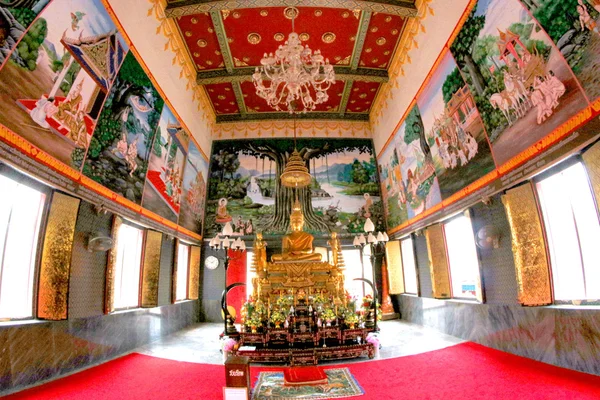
(16, 175)
(465, 214)
(553, 170)
(410, 236)
(141, 267)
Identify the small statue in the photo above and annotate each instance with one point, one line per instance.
(298, 245)
(260, 252)
(222, 215)
(334, 244)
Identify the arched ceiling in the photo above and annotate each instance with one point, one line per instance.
(226, 40)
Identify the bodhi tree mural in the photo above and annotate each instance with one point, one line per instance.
(244, 186)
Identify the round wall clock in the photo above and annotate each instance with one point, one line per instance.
(211, 262)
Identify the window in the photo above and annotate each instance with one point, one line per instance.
(127, 271)
(183, 267)
(357, 269)
(21, 209)
(572, 231)
(408, 265)
(462, 257)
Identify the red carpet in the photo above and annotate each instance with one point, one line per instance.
(465, 371)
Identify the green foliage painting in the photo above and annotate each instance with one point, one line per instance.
(244, 186)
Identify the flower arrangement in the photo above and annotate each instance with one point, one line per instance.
(318, 299)
(351, 318)
(285, 301)
(367, 302)
(228, 344)
(277, 317)
(328, 314)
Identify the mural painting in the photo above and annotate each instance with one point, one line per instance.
(393, 193)
(419, 181)
(244, 186)
(162, 192)
(15, 18)
(122, 142)
(54, 84)
(522, 86)
(573, 26)
(453, 129)
(194, 190)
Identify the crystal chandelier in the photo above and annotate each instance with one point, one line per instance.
(295, 73)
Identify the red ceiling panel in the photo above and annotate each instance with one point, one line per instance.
(253, 31)
(222, 97)
(382, 36)
(257, 104)
(362, 96)
(200, 37)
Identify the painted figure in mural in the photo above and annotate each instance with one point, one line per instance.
(585, 19)
(556, 88)
(121, 148)
(222, 215)
(76, 17)
(298, 245)
(367, 206)
(249, 227)
(240, 226)
(132, 152)
(543, 109)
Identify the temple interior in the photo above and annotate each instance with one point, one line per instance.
(299, 199)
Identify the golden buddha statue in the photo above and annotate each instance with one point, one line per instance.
(298, 245)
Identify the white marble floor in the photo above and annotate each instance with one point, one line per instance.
(200, 343)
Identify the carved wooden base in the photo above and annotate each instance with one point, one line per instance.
(309, 356)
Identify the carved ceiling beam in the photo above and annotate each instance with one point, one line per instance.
(342, 73)
(239, 97)
(217, 21)
(179, 8)
(345, 97)
(281, 115)
(363, 29)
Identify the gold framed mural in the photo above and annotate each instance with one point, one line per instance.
(109, 295)
(151, 268)
(194, 275)
(528, 246)
(55, 265)
(394, 266)
(438, 262)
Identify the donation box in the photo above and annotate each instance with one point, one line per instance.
(237, 377)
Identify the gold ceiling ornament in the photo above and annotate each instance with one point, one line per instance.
(294, 74)
(202, 43)
(291, 12)
(375, 60)
(196, 54)
(239, 63)
(188, 33)
(221, 97)
(264, 13)
(229, 40)
(318, 13)
(279, 37)
(345, 14)
(374, 29)
(386, 53)
(208, 62)
(236, 15)
(328, 37)
(356, 13)
(380, 41)
(363, 95)
(368, 50)
(388, 18)
(295, 174)
(194, 20)
(304, 37)
(254, 38)
(225, 13)
(210, 30)
(352, 38)
(217, 52)
(344, 61)
(394, 32)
